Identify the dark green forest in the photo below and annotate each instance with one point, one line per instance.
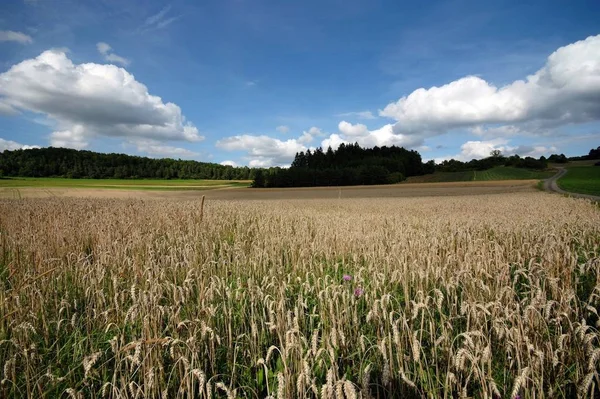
(348, 165)
(64, 162)
(497, 159)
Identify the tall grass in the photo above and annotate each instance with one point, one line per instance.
(483, 296)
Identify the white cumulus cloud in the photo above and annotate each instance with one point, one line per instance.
(159, 149)
(13, 145)
(263, 151)
(565, 90)
(334, 141)
(478, 149)
(353, 130)
(262, 163)
(74, 137)
(91, 100)
(308, 136)
(229, 163)
(12, 36)
(359, 133)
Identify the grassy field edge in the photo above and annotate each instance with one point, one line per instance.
(581, 180)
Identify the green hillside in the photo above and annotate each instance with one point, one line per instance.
(581, 179)
(510, 173)
(497, 173)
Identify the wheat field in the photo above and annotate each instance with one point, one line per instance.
(489, 296)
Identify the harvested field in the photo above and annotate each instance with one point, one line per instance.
(141, 184)
(398, 190)
(494, 295)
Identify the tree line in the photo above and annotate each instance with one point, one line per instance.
(497, 159)
(79, 164)
(349, 164)
(352, 165)
(592, 155)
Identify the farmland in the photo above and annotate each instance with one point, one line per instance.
(496, 173)
(584, 179)
(510, 173)
(138, 184)
(245, 193)
(491, 295)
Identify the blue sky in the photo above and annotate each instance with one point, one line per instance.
(253, 82)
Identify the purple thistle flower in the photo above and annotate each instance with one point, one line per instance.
(358, 292)
(347, 277)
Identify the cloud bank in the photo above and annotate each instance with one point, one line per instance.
(359, 133)
(265, 151)
(262, 150)
(478, 149)
(13, 145)
(565, 90)
(91, 100)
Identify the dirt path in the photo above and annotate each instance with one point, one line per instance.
(551, 184)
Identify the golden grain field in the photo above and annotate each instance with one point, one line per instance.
(488, 296)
